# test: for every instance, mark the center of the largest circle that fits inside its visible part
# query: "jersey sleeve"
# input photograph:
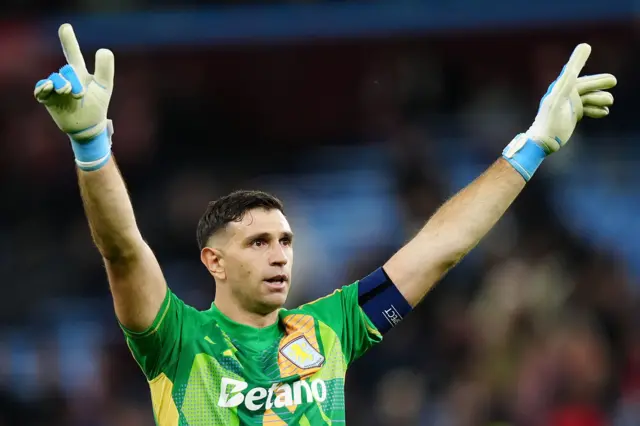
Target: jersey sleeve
(158, 347)
(342, 312)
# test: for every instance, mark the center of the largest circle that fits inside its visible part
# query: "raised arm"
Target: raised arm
(465, 219)
(135, 277)
(78, 103)
(453, 231)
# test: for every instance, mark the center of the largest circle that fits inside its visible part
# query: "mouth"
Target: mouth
(277, 282)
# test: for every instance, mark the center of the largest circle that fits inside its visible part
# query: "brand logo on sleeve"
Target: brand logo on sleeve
(392, 315)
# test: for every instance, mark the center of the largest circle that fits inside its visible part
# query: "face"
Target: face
(251, 260)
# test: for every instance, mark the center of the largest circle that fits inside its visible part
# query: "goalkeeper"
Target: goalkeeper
(247, 360)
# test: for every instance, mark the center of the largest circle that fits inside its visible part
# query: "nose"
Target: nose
(278, 256)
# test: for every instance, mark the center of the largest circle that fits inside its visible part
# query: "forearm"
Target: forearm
(458, 226)
(109, 212)
(454, 230)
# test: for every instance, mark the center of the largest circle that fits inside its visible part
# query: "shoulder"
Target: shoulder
(335, 299)
(190, 316)
(328, 309)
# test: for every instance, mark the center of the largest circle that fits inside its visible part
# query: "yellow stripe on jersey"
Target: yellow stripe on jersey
(272, 419)
(338, 291)
(164, 407)
(164, 314)
(153, 328)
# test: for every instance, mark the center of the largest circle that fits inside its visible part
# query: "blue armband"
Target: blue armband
(94, 153)
(524, 155)
(381, 300)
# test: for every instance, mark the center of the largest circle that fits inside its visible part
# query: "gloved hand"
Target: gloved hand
(567, 100)
(78, 101)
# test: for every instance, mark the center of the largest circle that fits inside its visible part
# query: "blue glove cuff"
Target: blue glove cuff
(524, 155)
(93, 153)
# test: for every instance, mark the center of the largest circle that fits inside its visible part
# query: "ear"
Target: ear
(214, 262)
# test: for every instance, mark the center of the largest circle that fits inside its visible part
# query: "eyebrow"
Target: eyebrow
(266, 236)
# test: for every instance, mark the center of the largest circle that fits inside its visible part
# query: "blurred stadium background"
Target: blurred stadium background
(363, 117)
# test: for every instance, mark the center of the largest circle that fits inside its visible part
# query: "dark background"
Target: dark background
(363, 117)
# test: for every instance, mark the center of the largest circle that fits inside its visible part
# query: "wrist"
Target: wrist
(524, 155)
(92, 154)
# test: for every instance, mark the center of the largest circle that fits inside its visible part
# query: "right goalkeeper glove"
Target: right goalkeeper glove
(78, 101)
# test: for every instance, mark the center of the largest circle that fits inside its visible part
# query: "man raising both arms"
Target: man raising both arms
(247, 360)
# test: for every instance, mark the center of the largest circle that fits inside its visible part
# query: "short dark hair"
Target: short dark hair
(231, 208)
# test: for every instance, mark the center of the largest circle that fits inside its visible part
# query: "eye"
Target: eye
(259, 242)
(286, 241)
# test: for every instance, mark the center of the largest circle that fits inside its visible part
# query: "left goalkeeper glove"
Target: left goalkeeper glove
(567, 100)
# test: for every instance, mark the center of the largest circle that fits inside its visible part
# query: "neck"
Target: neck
(234, 311)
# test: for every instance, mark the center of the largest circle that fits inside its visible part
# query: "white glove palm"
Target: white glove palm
(76, 100)
(568, 99)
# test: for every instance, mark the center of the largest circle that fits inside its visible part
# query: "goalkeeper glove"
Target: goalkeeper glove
(567, 100)
(78, 101)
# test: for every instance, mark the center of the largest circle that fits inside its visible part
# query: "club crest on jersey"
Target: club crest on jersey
(302, 354)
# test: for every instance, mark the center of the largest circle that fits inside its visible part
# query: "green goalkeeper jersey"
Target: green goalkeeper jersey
(206, 370)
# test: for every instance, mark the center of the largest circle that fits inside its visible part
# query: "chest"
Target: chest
(292, 355)
(295, 374)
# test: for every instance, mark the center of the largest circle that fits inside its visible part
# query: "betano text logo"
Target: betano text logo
(277, 396)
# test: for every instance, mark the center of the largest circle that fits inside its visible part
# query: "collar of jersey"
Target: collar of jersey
(246, 336)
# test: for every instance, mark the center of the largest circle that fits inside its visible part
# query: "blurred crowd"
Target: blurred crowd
(363, 140)
(44, 8)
